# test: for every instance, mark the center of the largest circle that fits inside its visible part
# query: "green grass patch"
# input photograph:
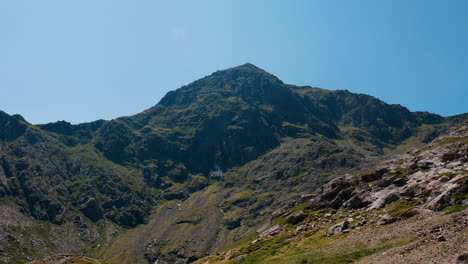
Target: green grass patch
(402, 206)
(403, 172)
(301, 207)
(454, 209)
(448, 174)
(345, 256)
(239, 197)
(451, 140)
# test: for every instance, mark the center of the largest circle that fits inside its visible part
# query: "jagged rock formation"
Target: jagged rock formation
(436, 173)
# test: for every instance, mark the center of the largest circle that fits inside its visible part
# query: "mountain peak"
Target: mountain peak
(247, 71)
(249, 67)
(246, 80)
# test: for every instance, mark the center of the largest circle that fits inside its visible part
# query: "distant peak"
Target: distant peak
(248, 65)
(249, 69)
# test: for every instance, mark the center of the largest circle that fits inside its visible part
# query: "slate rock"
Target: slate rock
(338, 228)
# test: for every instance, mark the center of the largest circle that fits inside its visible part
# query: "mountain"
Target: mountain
(387, 215)
(193, 175)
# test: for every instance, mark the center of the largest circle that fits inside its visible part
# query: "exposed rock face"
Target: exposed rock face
(91, 209)
(11, 127)
(437, 174)
(338, 228)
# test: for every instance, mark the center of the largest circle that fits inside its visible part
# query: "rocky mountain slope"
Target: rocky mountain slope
(204, 168)
(388, 215)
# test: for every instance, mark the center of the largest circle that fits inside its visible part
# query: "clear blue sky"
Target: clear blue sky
(85, 60)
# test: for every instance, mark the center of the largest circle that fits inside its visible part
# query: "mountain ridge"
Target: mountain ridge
(236, 144)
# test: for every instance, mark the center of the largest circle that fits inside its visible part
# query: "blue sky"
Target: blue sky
(85, 60)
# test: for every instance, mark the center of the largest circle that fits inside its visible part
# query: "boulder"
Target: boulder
(304, 227)
(337, 185)
(318, 203)
(336, 203)
(295, 218)
(387, 181)
(450, 156)
(385, 199)
(373, 176)
(240, 259)
(272, 231)
(338, 228)
(358, 201)
(278, 213)
(387, 219)
(439, 203)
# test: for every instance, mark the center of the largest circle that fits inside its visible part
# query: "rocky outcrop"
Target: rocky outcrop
(11, 127)
(437, 174)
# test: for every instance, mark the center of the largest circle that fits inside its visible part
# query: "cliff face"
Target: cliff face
(235, 145)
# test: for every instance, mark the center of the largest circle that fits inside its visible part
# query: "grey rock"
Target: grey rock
(337, 185)
(278, 213)
(240, 259)
(386, 219)
(338, 228)
(272, 231)
(439, 203)
(387, 197)
(296, 217)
